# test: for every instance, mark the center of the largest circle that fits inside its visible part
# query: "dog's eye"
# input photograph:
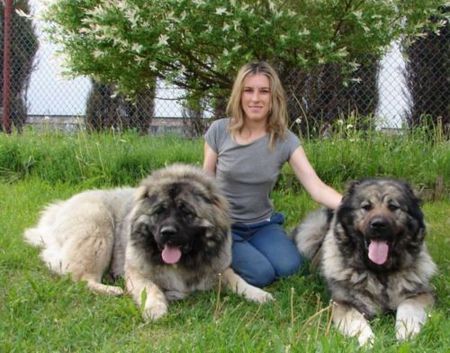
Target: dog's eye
(366, 206)
(185, 210)
(159, 210)
(392, 207)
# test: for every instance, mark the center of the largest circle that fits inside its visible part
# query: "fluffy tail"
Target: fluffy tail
(37, 236)
(34, 237)
(309, 234)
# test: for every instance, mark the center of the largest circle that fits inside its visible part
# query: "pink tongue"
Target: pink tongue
(171, 254)
(378, 251)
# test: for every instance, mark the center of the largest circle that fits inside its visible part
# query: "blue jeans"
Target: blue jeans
(262, 252)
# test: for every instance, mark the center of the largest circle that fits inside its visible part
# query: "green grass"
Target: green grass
(91, 159)
(42, 312)
(111, 159)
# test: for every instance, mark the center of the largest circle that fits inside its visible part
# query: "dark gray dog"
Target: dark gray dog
(372, 254)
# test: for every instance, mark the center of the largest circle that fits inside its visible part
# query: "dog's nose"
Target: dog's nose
(378, 223)
(168, 231)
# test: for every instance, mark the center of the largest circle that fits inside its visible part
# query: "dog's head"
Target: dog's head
(180, 217)
(381, 221)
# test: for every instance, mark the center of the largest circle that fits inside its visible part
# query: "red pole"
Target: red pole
(6, 66)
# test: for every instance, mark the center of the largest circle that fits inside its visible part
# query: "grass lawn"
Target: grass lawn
(42, 312)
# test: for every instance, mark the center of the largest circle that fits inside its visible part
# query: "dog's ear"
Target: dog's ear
(348, 193)
(140, 193)
(412, 193)
(143, 192)
(217, 199)
(414, 203)
(351, 185)
(349, 190)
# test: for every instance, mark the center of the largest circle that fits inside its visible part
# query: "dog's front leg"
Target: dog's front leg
(238, 285)
(351, 322)
(147, 295)
(411, 315)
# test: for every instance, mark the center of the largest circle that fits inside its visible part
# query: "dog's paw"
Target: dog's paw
(366, 338)
(105, 289)
(353, 324)
(258, 295)
(407, 328)
(155, 310)
(115, 291)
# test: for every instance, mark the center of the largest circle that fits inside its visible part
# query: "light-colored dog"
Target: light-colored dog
(168, 238)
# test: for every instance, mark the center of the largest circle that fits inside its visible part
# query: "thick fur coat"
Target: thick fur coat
(168, 237)
(372, 254)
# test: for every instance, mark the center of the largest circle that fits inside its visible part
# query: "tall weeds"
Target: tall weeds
(117, 159)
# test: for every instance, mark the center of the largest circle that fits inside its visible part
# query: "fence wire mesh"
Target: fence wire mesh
(408, 85)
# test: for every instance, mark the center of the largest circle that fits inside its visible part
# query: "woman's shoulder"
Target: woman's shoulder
(290, 137)
(220, 122)
(217, 132)
(219, 126)
(288, 144)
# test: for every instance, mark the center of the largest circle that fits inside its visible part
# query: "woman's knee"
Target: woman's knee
(288, 265)
(258, 274)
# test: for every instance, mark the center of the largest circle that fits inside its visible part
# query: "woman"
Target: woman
(246, 153)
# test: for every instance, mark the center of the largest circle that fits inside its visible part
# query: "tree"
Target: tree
(316, 98)
(24, 45)
(107, 110)
(427, 75)
(199, 44)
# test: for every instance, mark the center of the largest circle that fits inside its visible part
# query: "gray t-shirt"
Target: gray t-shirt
(247, 173)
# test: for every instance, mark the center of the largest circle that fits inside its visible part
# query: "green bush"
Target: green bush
(199, 44)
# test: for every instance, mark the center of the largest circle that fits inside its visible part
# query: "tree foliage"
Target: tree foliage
(107, 110)
(427, 75)
(24, 45)
(199, 44)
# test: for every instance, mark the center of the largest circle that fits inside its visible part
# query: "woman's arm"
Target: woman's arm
(319, 191)
(209, 160)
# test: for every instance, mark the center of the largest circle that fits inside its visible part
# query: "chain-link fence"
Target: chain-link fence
(405, 87)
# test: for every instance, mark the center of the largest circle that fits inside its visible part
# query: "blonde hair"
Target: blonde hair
(277, 120)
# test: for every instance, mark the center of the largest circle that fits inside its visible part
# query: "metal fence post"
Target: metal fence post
(6, 119)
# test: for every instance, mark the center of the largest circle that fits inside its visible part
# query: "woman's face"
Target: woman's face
(256, 97)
